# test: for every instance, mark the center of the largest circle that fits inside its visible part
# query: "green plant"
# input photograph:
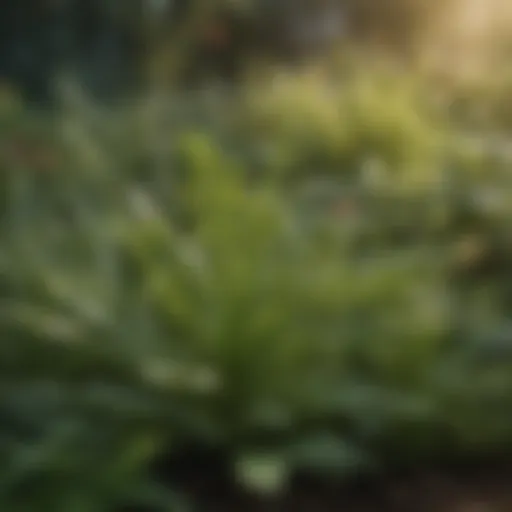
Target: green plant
(162, 295)
(306, 124)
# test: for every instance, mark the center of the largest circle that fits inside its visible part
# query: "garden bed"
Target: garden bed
(481, 488)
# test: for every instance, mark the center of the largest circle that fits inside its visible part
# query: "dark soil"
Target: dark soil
(482, 488)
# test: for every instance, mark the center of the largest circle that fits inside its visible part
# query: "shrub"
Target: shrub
(310, 126)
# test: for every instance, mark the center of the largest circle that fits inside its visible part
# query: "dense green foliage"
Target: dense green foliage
(299, 277)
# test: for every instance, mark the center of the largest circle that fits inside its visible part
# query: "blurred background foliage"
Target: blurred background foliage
(289, 245)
